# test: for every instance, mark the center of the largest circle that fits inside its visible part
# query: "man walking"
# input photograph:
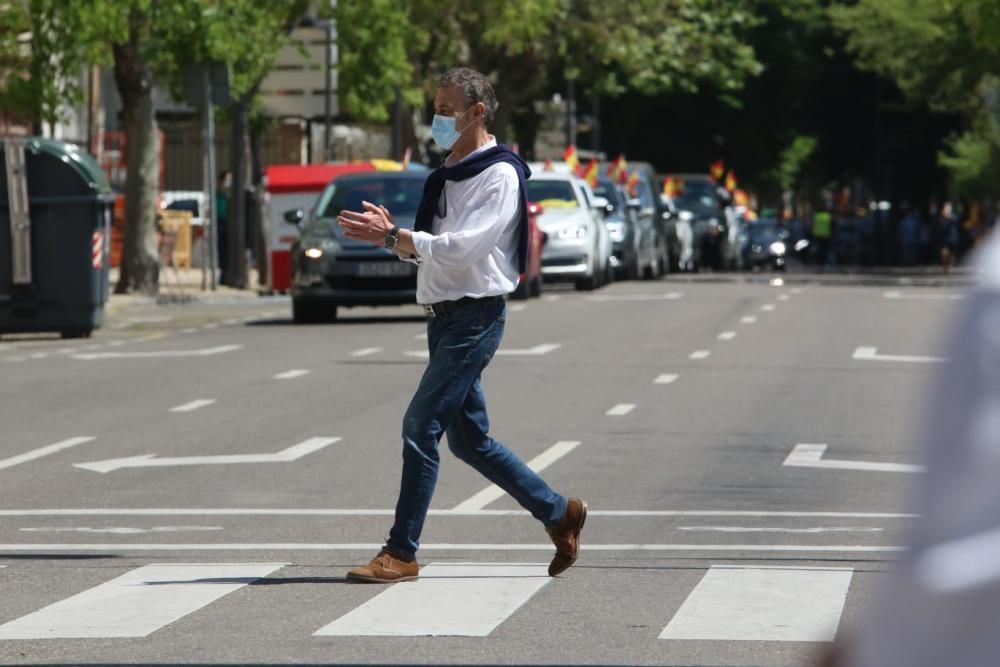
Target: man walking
(470, 243)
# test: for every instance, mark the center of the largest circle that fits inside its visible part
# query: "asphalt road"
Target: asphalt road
(191, 485)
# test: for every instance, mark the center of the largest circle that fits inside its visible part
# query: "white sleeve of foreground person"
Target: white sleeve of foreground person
(940, 607)
(479, 212)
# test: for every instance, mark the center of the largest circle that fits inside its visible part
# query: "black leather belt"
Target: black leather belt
(443, 308)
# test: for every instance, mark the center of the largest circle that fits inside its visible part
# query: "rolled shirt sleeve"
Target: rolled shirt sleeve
(489, 213)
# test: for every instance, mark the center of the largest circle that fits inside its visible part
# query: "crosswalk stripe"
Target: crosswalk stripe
(460, 599)
(763, 604)
(137, 603)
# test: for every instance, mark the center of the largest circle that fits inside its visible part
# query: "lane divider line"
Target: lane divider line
(666, 378)
(292, 374)
(44, 451)
(538, 464)
(727, 335)
(366, 351)
(749, 319)
(194, 405)
(620, 410)
(698, 355)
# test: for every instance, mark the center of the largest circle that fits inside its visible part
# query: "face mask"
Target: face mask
(443, 130)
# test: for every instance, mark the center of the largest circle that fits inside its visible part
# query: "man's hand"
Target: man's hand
(372, 226)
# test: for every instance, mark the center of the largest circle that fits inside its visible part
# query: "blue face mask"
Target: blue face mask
(443, 130)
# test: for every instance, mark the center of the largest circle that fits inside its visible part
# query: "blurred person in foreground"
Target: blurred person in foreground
(470, 245)
(940, 607)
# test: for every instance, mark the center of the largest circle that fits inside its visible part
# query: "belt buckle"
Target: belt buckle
(429, 311)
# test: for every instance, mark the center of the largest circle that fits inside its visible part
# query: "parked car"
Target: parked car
(330, 271)
(578, 248)
(766, 246)
(701, 222)
(633, 242)
(530, 284)
(654, 212)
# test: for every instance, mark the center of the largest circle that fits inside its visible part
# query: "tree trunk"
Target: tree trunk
(140, 266)
(257, 130)
(236, 275)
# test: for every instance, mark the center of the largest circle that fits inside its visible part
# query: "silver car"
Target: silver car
(578, 248)
(330, 271)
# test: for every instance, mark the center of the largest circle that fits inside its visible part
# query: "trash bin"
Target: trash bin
(55, 226)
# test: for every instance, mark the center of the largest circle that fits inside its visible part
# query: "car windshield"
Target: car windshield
(764, 232)
(400, 195)
(552, 193)
(696, 196)
(607, 190)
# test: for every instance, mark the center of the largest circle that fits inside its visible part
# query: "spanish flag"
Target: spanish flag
(590, 173)
(632, 183)
(569, 155)
(672, 187)
(618, 169)
(731, 183)
(741, 198)
(717, 169)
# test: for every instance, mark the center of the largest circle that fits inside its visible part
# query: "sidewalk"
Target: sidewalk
(183, 286)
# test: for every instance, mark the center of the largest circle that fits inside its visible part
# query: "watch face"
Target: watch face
(390, 242)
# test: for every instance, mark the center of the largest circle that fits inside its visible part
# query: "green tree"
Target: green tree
(943, 54)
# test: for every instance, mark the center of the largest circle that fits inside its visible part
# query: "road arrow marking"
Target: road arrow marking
(293, 453)
(43, 451)
(871, 354)
(811, 456)
(207, 352)
(537, 351)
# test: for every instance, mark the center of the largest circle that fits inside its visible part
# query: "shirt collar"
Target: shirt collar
(489, 144)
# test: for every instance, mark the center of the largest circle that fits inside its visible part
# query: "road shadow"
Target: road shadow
(56, 556)
(344, 322)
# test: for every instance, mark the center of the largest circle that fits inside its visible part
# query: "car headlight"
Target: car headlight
(575, 232)
(617, 231)
(313, 253)
(316, 248)
(686, 216)
(778, 248)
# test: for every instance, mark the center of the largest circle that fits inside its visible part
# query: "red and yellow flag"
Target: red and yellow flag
(618, 169)
(590, 174)
(741, 198)
(569, 155)
(731, 183)
(672, 186)
(717, 169)
(632, 183)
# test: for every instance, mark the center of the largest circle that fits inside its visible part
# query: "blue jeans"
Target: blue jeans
(450, 400)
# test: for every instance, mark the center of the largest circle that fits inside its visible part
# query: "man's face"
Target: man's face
(450, 101)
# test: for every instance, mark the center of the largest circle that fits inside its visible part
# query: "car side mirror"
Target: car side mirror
(667, 215)
(295, 216)
(601, 204)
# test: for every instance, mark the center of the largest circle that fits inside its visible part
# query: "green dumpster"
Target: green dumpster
(55, 233)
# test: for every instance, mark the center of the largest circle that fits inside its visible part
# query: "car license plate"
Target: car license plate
(382, 269)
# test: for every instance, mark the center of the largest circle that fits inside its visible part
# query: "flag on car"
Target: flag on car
(741, 198)
(569, 155)
(731, 183)
(618, 169)
(672, 186)
(717, 169)
(590, 174)
(632, 183)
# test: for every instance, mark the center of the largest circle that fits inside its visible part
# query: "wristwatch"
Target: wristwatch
(392, 238)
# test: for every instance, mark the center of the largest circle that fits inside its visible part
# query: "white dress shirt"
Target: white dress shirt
(473, 248)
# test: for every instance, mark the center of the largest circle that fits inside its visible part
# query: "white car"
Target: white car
(578, 247)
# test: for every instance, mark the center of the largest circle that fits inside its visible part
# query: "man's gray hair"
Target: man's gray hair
(475, 87)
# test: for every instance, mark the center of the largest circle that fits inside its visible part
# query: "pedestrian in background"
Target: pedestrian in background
(222, 220)
(470, 245)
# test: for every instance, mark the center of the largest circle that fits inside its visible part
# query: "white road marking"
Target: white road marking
(916, 296)
(783, 297)
(66, 350)
(122, 530)
(537, 351)
(44, 451)
(517, 308)
(669, 296)
(699, 354)
(811, 456)
(449, 599)
(231, 321)
(293, 453)
(744, 529)
(116, 343)
(299, 512)
(727, 335)
(472, 546)
(620, 410)
(16, 359)
(292, 374)
(538, 464)
(189, 330)
(152, 319)
(366, 351)
(38, 355)
(749, 319)
(137, 603)
(422, 336)
(207, 352)
(871, 354)
(194, 405)
(211, 325)
(666, 378)
(763, 604)
(768, 307)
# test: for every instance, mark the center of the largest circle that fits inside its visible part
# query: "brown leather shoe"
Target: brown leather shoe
(566, 536)
(385, 569)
